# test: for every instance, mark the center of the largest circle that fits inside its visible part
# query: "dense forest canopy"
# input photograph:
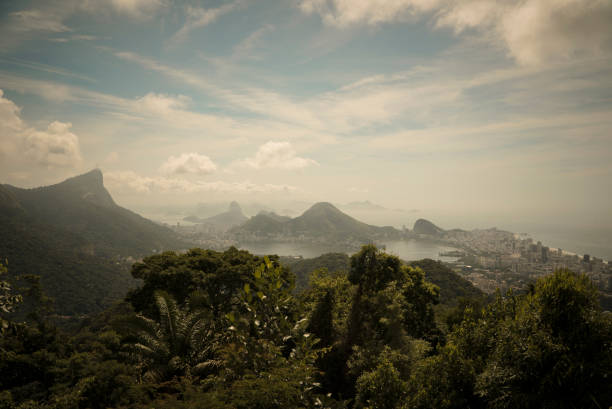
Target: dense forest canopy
(211, 329)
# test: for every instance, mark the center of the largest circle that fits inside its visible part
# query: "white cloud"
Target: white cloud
(11, 126)
(533, 31)
(129, 180)
(9, 115)
(547, 30)
(277, 155)
(55, 146)
(193, 163)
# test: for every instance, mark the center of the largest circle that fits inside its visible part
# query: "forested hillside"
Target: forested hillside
(452, 286)
(77, 239)
(226, 330)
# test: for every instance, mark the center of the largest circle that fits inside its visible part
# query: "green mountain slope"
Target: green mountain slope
(84, 207)
(76, 237)
(452, 285)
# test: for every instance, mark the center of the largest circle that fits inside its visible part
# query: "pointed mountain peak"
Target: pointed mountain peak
(88, 186)
(323, 206)
(322, 209)
(234, 207)
(422, 226)
(92, 178)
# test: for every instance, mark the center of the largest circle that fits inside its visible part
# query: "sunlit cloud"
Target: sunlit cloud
(55, 146)
(277, 155)
(188, 163)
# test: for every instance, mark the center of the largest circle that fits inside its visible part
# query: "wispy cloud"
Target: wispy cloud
(129, 180)
(74, 37)
(38, 20)
(533, 31)
(198, 17)
(45, 68)
(515, 132)
(254, 100)
(246, 47)
(164, 110)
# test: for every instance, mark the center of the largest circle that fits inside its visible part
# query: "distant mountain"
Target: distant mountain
(223, 221)
(76, 237)
(275, 216)
(323, 221)
(423, 226)
(325, 218)
(262, 225)
(452, 285)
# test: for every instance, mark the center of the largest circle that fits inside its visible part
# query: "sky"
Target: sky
(473, 113)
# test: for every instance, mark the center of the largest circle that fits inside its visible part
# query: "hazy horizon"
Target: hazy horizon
(469, 114)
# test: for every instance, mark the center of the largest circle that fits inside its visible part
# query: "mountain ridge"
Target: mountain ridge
(321, 220)
(77, 239)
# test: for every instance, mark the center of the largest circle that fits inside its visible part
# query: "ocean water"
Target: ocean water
(595, 242)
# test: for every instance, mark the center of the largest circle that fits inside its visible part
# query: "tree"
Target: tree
(444, 381)
(8, 300)
(392, 300)
(182, 343)
(391, 307)
(555, 351)
(380, 388)
(218, 277)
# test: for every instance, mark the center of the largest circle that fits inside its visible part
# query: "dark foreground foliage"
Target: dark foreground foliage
(227, 330)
